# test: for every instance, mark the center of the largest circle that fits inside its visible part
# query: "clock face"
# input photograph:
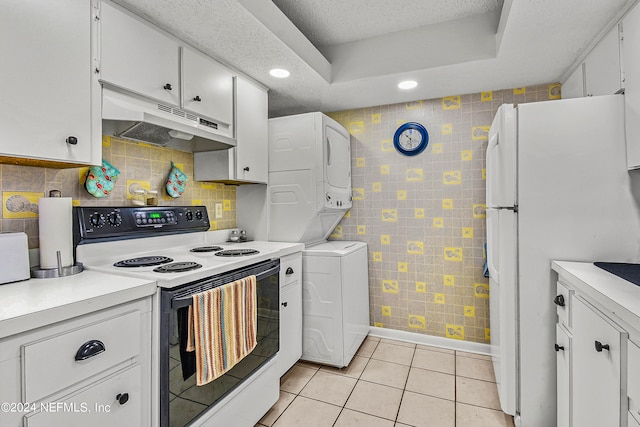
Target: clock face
(410, 139)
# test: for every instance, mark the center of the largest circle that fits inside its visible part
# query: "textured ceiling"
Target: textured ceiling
(537, 42)
(332, 22)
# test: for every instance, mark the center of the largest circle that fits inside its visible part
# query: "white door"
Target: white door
(598, 345)
(136, 57)
(502, 262)
(337, 158)
(207, 87)
(501, 159)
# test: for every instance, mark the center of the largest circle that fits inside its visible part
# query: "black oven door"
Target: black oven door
(181, 400)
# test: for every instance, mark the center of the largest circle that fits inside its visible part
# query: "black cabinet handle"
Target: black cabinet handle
(559, 300)
(197, 98)
(122, 398)
(600, 346)
(559, 347)
(167, 86)
(289, 271)
(90, 349)
(72, 140)
(284, 304)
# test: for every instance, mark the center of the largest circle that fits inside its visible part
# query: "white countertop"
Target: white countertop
(37, 302)
(617, 295)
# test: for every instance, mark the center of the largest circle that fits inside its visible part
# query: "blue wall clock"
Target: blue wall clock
(411, 138)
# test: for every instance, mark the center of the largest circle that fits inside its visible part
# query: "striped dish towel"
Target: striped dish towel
(223, 327)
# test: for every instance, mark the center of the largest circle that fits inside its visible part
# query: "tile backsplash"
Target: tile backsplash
(140, 166)
(423, 217)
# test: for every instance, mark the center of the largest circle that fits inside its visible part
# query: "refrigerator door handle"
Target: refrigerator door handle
(493, 166)
(493, 248)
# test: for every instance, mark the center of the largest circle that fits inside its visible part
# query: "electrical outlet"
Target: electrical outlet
(218, 210)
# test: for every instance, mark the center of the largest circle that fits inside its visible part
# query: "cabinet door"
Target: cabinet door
(290, 326)
(135, 56)
(598, 346)
(573, 87)
(46, 80)
(563, 367)
(602, 66)
(114, 401)
(630, 48)
(207, 87)
(252, 132)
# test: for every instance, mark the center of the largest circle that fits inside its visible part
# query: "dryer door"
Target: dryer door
(337, 159)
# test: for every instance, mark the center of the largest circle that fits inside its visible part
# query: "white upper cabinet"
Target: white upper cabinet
(136, 57)
(207, 86)
(252, 132)
(630, 49)
(602, 66)
(49, 93)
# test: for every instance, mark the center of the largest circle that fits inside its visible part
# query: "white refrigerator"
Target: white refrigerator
(557, 188)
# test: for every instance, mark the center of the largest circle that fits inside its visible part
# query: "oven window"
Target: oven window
(186, 401)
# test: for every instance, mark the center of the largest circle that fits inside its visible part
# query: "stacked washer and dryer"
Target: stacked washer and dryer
(309, 192)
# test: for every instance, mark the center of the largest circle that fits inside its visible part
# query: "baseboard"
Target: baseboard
(451, 344)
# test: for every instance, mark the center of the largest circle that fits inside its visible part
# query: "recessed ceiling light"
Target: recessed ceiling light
(279, 73)
(407, 84)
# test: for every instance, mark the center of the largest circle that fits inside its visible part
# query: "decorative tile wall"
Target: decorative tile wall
(423, 217)
(140, 165)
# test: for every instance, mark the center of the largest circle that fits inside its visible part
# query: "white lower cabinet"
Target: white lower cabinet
(563, 366)
(599, 346)
(114, 401)
(598, 357)
(93, 370)
(290, 312)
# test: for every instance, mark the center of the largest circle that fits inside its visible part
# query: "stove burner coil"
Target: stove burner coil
(144, 261)
(177, 267)
(206, 249)
(237, 252)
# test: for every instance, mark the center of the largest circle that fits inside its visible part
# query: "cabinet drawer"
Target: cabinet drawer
(633, 380)
(49, 365)
(290, 269)
(97, 405)
(562, 301)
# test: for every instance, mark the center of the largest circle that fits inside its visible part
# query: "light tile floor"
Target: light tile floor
(391, 383)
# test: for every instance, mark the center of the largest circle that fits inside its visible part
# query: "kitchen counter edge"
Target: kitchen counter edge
(34, 303)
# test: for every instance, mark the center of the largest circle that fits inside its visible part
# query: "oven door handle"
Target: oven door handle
(187, 300)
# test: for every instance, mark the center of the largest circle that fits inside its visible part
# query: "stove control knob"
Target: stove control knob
(189, 216)
(97, 220)
(115, 219)
(199, 215)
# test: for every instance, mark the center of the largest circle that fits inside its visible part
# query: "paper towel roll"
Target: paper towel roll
(55, 231)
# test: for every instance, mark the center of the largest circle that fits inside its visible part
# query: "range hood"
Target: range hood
(129, 116)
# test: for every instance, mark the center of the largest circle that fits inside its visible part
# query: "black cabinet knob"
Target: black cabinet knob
(246, 169)
(559, 347)
(197, 98)
(72, 140)
(559, 300)
(167, 86)
(284, 304)
(90, 349)
(122, 398)
(289, 271)
(600, 346)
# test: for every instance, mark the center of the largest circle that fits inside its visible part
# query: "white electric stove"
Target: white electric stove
(171, 245)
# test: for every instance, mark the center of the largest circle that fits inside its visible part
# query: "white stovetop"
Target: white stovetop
(102, 256)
